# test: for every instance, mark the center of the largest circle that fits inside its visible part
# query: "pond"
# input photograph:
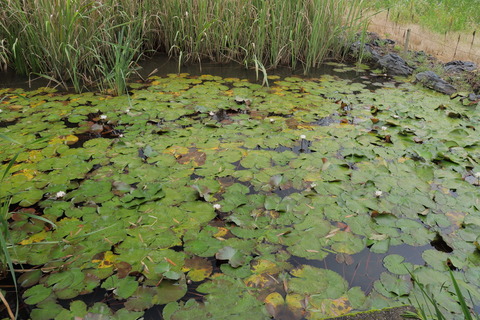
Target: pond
(213, 197)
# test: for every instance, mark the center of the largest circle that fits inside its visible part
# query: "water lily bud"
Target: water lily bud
(272, 120)
(103, 116)
(395, 116)
(477, 175)
(60, 194)
(303, 136)
(384, 128)
(1, 110)
(217, 206)
(127, 110)
(378, 193)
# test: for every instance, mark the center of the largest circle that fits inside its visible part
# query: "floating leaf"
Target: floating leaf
(321, 282)
(105, 259)
(124, 288)
(36, 294)
(35, 238)
(394, 263)
(330, 307)
(235, 258)
(198, 268)
(392, 285)
(290, 308)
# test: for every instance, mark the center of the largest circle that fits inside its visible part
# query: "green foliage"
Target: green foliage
(6, 261)
(431, 310)
(438, 15)
(96, 44)
(181, 187)
(76, 42)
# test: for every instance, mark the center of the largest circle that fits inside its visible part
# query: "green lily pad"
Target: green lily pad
(322, 283)
(235, 258)
(396, 265)
(124, 288)
(36, 294)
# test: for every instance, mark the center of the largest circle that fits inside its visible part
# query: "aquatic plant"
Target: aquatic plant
(71, 42)
(3, 55)
(115, 65)
(191, 187)
(429, 307)
(95, 44)
(6, 261)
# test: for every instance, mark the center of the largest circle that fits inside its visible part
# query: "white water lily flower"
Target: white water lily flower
(477, 175)
(378, 193)
(127, 110)
(60, 194)
(384, 128)
(272, 120)
(103, 116)
(217, 206)
(1, 110)
(395, 116)
(303, 136)
(211, 113)
(313, 185)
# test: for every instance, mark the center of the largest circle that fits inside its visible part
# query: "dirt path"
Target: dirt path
(452, 46)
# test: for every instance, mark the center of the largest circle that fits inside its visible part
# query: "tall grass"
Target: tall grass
(71, 42)
(84, 43)
(283, 32)
(3, 55)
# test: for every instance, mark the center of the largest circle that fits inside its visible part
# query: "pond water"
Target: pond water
(208, 195)
(162, 65)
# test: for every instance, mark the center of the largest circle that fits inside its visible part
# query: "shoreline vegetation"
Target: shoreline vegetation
(440, 16)
(96, 44)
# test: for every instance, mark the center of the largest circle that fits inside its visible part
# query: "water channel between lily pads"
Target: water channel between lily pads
(209, 196)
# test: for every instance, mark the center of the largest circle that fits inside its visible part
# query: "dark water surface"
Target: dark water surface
(161, 65)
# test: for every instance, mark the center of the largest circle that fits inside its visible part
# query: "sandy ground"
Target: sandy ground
(452, 46)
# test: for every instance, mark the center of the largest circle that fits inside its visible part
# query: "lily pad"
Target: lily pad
(37, 294)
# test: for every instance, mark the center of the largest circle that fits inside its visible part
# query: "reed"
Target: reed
(3, 55)
(83, 43)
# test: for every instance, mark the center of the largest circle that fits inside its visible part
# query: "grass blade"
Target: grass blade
(461, 299)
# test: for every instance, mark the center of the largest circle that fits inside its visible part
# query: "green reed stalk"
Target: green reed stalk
(3, 55)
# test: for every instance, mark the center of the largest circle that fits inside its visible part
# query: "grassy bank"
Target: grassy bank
(85, 43)
(441, 16)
